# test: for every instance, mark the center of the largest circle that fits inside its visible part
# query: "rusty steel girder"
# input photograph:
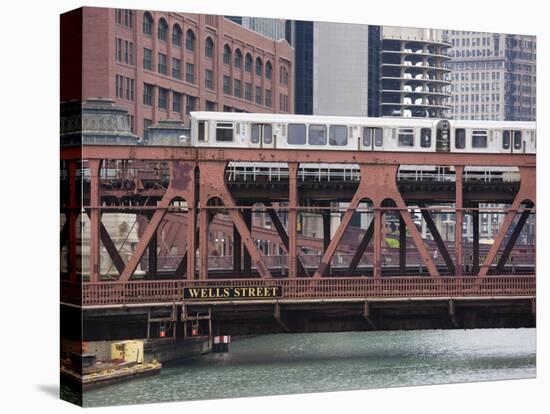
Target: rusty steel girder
(197, 177)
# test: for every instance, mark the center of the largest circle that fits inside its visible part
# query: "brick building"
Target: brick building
(163, 65)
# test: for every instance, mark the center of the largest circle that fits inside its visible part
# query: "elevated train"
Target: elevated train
(315, 132)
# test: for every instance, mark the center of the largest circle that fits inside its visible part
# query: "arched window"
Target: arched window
(238, 60)
(147, 24)
(268, 70)
(190, 41)
(259, 67)
(162, 29)
(227, 55)
(209, 47)
(248, 63)
(176, 35)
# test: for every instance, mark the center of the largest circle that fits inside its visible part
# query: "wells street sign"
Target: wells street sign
(246, 292)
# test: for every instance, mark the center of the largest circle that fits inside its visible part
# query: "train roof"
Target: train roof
(382, 121)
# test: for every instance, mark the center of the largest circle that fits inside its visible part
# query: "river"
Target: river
(321, 362)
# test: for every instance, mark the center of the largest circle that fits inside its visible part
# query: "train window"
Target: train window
(517, 140)
(425, 137)
(367, 137)
(378, 137)
(338, 135)
(406, 137)
(268, 133)
(479, 138)
(460, 138)
(224, 131)
(506, 140)
(317, 135)
(296, 134)
(202, 136)
(255, 135)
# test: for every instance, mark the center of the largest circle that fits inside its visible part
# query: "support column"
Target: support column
(247, 262)
(458, 221)
(72, 217)
(152, 249)
(292, 219)
(237, 251)
(377, 263)
(475, 244)
(326, 233)
(402, 247)
(191, 237)
(203, 241)
(95, 220)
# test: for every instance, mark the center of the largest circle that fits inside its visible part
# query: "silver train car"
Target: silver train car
(317, 132)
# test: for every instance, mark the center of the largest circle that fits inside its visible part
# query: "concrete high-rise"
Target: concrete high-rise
(493, 76)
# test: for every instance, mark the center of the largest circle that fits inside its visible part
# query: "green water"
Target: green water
(322, 362)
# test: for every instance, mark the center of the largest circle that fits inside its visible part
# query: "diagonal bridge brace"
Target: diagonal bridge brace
(378, 183)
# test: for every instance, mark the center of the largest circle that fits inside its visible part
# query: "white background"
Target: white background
(29, 227)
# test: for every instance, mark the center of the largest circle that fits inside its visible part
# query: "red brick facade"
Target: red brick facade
(113, 52)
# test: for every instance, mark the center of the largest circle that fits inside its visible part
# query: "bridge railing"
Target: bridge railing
(170, 291)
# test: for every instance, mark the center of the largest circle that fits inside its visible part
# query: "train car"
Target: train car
(316, 132)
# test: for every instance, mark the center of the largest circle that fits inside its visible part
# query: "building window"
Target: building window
(227, 85)
(163, 98)
(268, 102)
(176, 102)
(259, 95)
(176, 68)
(226, 55)
(148, 94)
(129, 53)
(147, 24)
(190, 41)
(283, 76)
(268, 70)
(248, 91)
(190, 72)
(147, 59)
(176, 35)
(130, 89)
(227, 108)
(146, 124)
(124, 51)
(238, 60)
(191, 104)
(162, 68)
(237, 88)
(131, 123)
(162, 30)
(209, 48)
(248, 63)
(119, 86)
(118, 49)
(210, 106)
(208, 79)
(259, 67)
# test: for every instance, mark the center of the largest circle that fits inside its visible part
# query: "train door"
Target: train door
(262, 136)
(513, 141)
(372, 139)
(443, 137)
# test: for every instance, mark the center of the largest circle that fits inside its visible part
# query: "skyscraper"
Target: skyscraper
(493, 76)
